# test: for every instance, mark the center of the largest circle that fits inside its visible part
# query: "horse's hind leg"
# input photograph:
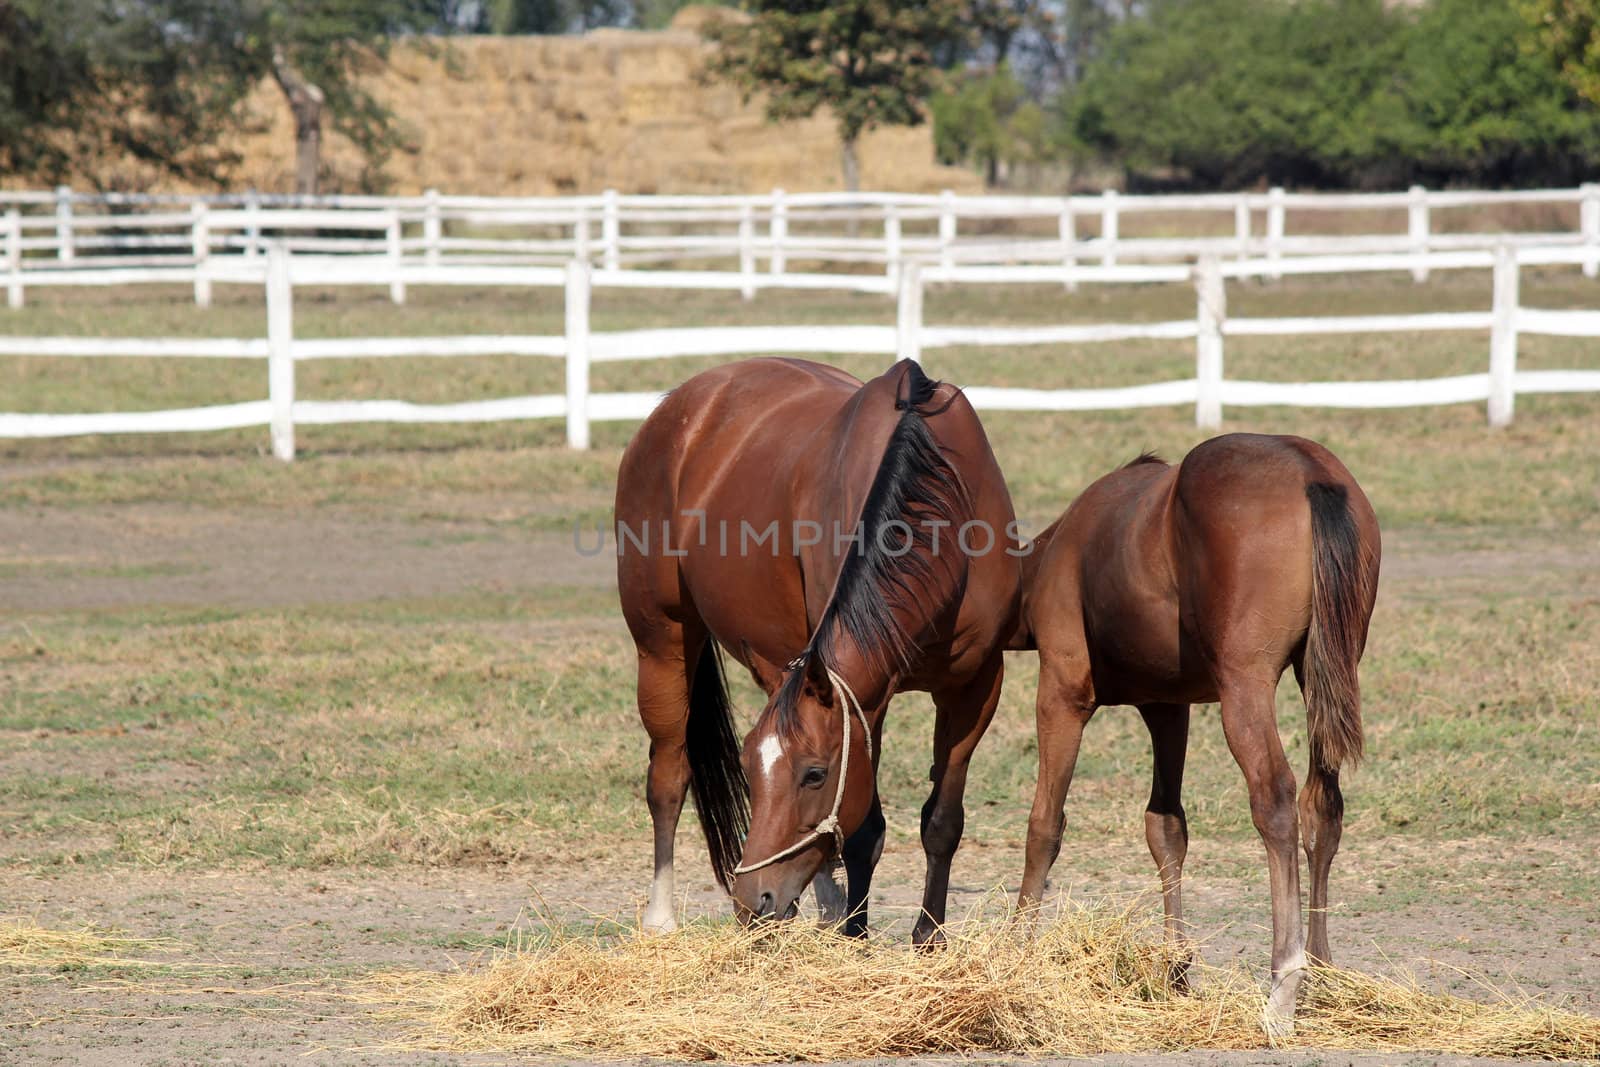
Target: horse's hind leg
(1166, 829)
(1065, 706)
(664, 707)
(1322, 823)
(962, 716)
(1250, 723)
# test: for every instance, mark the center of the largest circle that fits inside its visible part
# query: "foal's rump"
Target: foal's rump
(1278, 553)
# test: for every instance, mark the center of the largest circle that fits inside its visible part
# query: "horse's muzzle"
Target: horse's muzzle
(764, 909)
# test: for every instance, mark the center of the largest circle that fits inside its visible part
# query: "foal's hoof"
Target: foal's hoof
(1278, 1026)
(1178, 976)
(927, 938)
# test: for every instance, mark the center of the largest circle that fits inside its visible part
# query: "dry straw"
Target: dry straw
(25, 945)
(1083, 981)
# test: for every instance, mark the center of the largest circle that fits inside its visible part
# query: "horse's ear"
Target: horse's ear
(817, 679)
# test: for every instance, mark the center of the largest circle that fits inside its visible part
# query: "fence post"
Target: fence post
(610, 230)
(891, 244)
(432, 229)
(1589, 224)
(1211, 314)
(14, 258)
(1417, 229)
(778, 231)
(1109, 223)
(1275, 225)
(1067, 232)
(64, 249)
(280, 350)
(200, 243)
(578, 353)
(396, 252)
(947, 228)
(580, 233)
(252, 226)
(908, 314)
(1503, 337)
(1241, 225)
(747, 250)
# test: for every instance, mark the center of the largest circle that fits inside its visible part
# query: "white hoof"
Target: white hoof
(1277, 1025)
(659, 924)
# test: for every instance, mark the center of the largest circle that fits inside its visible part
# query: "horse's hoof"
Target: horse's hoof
(927, 939)
(664, 924)
(1277, 1025)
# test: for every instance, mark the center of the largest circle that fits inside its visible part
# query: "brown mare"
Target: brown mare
(1164, 586)
(830, 626)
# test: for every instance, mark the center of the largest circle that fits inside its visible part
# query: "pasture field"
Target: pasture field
(288, 725)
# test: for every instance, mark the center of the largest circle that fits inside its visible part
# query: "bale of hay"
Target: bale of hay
(629, 109)
(1083, 982)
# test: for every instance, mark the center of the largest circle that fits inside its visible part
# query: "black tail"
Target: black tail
(720, 793)
(1340, 593)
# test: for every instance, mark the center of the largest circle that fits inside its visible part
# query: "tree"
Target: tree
(317, 52)
(97, 79)
(871, 62)
(165, 82)
(1229, 93)
(988, 120)
(1568, 31)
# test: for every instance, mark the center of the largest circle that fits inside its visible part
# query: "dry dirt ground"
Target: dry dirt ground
(260, 965)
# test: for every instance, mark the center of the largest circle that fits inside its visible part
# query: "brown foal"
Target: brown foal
(1163, 586)
(843, 542)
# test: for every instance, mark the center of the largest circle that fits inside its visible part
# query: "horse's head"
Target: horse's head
(810, 768)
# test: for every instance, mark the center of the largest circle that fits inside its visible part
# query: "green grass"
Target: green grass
(490, 726)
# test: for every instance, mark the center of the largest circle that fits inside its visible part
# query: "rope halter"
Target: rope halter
(847, 704)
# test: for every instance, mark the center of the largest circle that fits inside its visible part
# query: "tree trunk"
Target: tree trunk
(305, 103)
(852, 181)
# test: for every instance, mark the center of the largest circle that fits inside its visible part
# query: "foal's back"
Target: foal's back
(1166, 574)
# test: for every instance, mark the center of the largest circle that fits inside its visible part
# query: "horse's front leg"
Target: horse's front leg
(845, 906)
(962, 715)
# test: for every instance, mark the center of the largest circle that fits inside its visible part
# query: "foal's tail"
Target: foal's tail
(1341, 590)
(721, 795)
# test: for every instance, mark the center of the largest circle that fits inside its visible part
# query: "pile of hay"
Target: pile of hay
(1087, 981)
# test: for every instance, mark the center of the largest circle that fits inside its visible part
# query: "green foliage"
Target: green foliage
(551, 16)
(82, 77)
(870, 61)
(1568, 31)
(330, 44)
(1330, 92)
(988, 120)
(163, 82)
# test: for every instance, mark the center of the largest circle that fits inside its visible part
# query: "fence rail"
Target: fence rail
(280, 271)
(42, 232)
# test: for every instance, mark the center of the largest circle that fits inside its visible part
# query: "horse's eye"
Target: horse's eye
(814, 777)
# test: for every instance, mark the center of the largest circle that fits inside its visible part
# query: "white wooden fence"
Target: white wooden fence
(41, 232)
(1210, 391)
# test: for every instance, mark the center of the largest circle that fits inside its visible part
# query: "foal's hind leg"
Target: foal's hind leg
(1166, 829)
(1065, 706)
(962, 716)
(664, 707)
(1322, 823)
(1250, 723)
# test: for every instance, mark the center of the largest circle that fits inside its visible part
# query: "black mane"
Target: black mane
(914, 484)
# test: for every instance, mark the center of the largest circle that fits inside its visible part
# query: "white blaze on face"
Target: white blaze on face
(771, 749)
